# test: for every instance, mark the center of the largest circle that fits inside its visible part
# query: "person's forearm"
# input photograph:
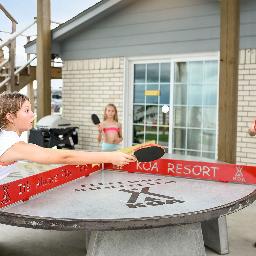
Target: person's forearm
(82, 157)
(22, 151)
(99, 137)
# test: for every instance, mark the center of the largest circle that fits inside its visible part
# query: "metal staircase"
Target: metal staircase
(14, 78)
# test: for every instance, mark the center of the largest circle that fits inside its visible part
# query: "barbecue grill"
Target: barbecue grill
(54, 130)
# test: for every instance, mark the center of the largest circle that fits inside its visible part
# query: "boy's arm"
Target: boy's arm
(34, 153)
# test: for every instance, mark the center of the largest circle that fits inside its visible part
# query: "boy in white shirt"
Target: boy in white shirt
(16, 117)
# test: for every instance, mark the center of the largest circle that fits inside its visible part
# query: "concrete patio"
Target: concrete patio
(15, 241)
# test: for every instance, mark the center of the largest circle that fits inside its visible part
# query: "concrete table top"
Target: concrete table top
(113, 200)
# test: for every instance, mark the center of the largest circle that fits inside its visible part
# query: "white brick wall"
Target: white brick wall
(246, 145)
(89, 85)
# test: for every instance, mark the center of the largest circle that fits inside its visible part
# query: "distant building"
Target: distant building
(141, 55)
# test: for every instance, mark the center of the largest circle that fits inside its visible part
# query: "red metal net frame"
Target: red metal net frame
(25, 188)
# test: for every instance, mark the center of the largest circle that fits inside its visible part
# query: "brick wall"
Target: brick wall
(88, 86)
(246, 145)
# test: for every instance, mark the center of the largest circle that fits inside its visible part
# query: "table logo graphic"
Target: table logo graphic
(139, 190)
(150, 199)
(239, 177)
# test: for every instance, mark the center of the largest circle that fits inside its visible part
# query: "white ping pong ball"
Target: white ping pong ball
(165, 109)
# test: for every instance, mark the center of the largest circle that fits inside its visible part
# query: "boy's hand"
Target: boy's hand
(120, 159)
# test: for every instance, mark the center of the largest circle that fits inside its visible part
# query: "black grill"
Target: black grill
(54, 131)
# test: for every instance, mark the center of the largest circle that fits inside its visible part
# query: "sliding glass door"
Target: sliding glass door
(189, 90)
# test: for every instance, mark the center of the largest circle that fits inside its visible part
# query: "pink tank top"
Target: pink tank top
(111, 129)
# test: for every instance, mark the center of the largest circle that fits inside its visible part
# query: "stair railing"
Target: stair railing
(16, 34)
(17, 71)
(8, 43)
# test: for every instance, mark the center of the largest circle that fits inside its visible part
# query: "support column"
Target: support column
(30, 85)
(43, 72)
(228, 88)
(215, 231)
(12, 54)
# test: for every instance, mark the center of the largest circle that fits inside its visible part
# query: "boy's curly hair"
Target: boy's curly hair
(10, 102)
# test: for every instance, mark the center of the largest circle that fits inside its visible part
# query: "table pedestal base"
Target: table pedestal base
(215, 235)
(171, 240)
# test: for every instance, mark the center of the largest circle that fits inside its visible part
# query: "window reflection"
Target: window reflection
(211, 72)
(180, 94)
(179, 152)
(152, 99)
(163, 117)
(179, 116)
(209, 140)
(210, 95)
(163, 136)
(164, 94)
(138, 134)
(179, 138)
(194, 117)
(194, 139)
(165, 73)
(139, 93)
(151, 115)
(196, 74)
(193, 153)
(153, 73)
(138, 114)
(180, 72)
(209, 117)
(195, 95)
(151, 133)
(139, 73)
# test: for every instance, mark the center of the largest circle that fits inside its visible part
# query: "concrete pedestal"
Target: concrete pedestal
(173, 240)
(216, 235)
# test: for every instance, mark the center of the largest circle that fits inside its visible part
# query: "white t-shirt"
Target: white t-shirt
(7, 139)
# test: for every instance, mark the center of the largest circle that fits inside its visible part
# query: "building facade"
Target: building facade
(143, 55)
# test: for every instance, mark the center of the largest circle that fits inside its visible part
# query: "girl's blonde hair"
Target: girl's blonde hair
(10, 102)
(115, 116)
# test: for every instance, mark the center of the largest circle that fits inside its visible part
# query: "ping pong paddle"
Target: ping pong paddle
(95, 119)
(145, 152)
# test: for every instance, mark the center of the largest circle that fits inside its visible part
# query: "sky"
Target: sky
(25, 11)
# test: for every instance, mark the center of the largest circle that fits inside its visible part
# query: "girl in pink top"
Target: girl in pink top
(110, 130)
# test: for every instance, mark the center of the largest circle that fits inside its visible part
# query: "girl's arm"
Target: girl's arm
(34, 153)
(99, 137)
(120, 133)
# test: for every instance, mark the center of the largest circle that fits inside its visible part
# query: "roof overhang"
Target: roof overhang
(83, 19)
